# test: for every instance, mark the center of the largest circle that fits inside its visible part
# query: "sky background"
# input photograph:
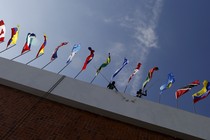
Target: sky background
(171, 34)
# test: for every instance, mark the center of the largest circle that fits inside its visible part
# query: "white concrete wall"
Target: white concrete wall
(26, 78)
(102, 101)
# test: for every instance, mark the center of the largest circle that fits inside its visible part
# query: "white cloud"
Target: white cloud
(144, 24)
(117, 49)
(146, 37)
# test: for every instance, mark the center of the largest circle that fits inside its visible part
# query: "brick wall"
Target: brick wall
(27, 117)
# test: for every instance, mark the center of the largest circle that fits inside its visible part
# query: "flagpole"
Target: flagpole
(19, 55)
(33, 59)
(47, 64)
(177, 103)
(6, 49)
(64, 67)
(125, 88)
(194, 108)
(78, 74)
(159, 97)
(104, 77)
(93, 79)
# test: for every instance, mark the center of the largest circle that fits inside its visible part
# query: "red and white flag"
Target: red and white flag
(2, 31)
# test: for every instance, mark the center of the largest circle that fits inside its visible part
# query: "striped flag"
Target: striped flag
(74, 50)
(54, 55)
(14, 36)
(89, 58)
(2, 31)
(186, 88)
(203, 93)
(168, 84)
(41, 50)
(149, 77)
(108, 60)
(135, 71)
(118, 70)
(29, 39)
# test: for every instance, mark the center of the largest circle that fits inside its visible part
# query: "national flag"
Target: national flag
(169, 83)
(29, 39)
(186, 88)
(41, 50)
(74, 50)
(135, 71)
(118, 70)
(89, 58)
(14, 36)
(2, 31)
(203, 93)
(149, 77)
(54, 55)
(108, 60)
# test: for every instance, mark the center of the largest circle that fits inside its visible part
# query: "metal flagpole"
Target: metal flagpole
(6, 49)
(176, 103)
(19, 55)
(159, 97)
(125, 88)
(102, 75)
(33, 59)
(77, 74)
(64, 67)
(47, 64)
(194, 108)
(93, 79)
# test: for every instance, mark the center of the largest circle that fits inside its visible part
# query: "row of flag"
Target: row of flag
(204, 92)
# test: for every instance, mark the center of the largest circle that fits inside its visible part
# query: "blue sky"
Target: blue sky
(173, 35)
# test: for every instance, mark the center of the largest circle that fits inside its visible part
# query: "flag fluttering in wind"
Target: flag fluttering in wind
(74, 50)
(2, 31)
(118, 70)
(29, 39)
(135, 71)
(186, 88)
(54, 55)
(149, 77)
(89, 58)
(108, 60)
(169, 83)
(41, 50)
(14, 36)
(203, 93)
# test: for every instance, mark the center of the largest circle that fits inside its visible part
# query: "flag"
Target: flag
(74, 50)
(54, 55)
(186, 88)
(89, 58)
(118, 70)
(203, 93)
(149, 77)
(29, 39)
(169, 83)
(108, 60)
(41, 50)
(135, 71)
(2, 31)
(14, 36)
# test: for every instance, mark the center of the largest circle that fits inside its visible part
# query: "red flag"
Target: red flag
(89, 58)
(135, 71)
(54, 55)
(2, 31)
(186, 88)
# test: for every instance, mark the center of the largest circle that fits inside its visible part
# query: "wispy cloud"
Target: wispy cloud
(146, 37)
(143, 23)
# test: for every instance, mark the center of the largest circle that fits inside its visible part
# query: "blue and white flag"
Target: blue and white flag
(74, 50)
(118, 70)
(168, 84)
